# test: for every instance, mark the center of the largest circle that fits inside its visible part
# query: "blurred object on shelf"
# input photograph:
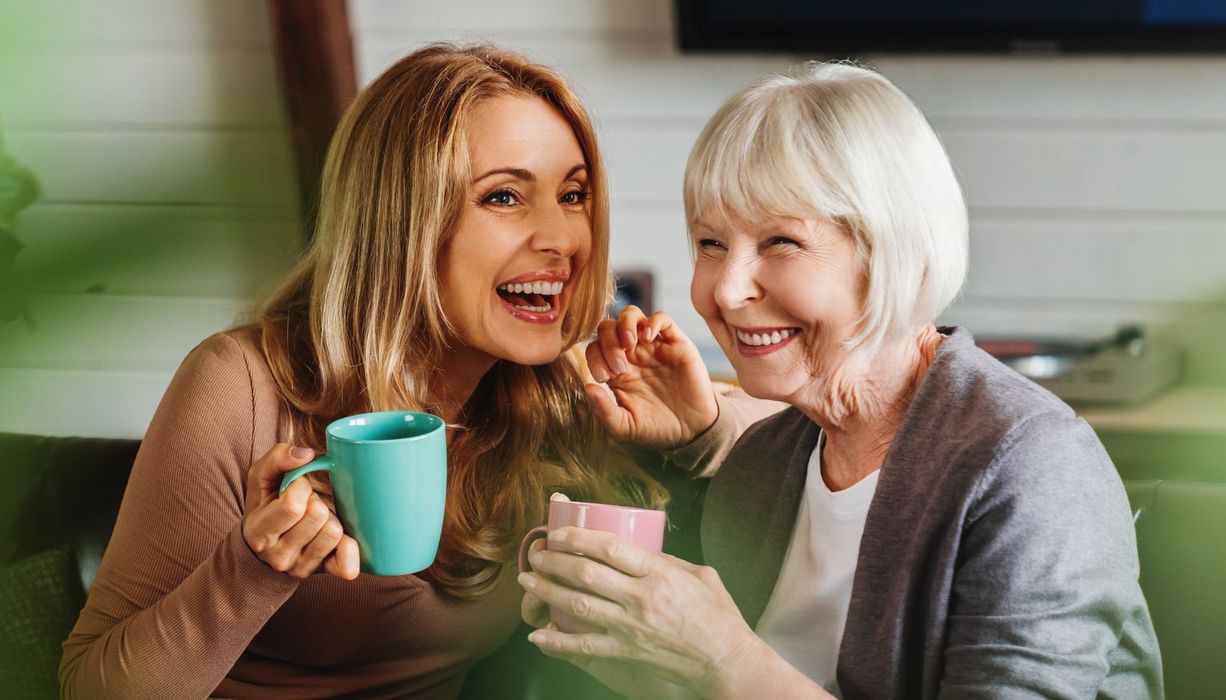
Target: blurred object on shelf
(1124, 368)
(632, 287)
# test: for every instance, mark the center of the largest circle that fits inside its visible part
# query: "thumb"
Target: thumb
(604, 406)
(266, 474)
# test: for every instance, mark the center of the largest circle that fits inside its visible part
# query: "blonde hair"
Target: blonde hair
(841, 142)
(359, 325)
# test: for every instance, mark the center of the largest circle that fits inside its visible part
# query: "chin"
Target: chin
(767, 387)
(538, 356)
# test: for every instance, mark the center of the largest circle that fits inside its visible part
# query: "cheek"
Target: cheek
(702, 295)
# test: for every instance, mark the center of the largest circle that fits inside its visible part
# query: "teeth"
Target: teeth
(759, 339)
(542, 288)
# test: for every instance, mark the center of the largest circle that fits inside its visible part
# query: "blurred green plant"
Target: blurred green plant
(18, 190)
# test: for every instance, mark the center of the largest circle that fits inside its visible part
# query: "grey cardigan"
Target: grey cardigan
(998, 558)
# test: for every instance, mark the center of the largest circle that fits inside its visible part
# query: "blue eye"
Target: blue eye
(501, 198)
(709, 244)
(782, 240)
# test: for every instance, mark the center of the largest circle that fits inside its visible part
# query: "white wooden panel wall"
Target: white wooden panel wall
(157, 131)
(1097, 185)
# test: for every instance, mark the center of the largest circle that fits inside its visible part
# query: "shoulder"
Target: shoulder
(998, 430)
(230, 360)
(971, 409)
(225, 379)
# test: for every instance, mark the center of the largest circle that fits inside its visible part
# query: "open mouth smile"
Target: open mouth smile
(536, 297)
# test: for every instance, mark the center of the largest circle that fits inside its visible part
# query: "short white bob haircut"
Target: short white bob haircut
(836, 141)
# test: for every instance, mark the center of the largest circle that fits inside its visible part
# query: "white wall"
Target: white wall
(1097, 186)
(157, 131)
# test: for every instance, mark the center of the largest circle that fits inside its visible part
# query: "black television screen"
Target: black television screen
(839, 27)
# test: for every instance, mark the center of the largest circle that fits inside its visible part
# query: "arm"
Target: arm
(179, 594)
(1047, 570)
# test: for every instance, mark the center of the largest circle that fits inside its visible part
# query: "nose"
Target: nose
(736, 282)
(557, 233)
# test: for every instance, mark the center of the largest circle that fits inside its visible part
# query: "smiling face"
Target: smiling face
(780, 297)
(523, 238)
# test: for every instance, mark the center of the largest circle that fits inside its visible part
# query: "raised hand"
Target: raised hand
(295, 532)
(649, 384)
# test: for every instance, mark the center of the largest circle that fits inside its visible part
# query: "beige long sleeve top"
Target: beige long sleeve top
(183, 608)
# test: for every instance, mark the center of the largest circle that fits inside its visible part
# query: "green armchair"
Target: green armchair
(1181, 539)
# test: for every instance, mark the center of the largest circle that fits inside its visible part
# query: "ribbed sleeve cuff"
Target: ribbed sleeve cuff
(702, 455)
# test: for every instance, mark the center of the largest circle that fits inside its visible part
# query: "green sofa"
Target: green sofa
(61, 495)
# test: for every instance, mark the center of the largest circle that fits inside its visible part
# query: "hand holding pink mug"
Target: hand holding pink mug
(642, 526)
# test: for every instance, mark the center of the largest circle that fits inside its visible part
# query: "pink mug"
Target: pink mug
(641, 526)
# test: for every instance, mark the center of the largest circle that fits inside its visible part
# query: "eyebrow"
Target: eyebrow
(525, 174)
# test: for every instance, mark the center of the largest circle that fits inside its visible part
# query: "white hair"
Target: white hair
(836, 141)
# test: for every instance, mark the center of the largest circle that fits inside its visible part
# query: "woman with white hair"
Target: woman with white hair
(922, 521)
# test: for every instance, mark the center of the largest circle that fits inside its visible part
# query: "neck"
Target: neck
(861, 405)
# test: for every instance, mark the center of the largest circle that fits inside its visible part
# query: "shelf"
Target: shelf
(1189, 408)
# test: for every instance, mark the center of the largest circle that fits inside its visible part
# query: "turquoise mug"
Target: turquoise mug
(389, 484)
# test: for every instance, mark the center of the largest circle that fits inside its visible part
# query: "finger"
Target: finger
(597, 363)
(623, 555)
(583, 574)
(578, 604)
(593, 645)
(264, 526)
(534, 611)
(318, 549)
(666, 328)
(285, 553)
(628, 323)
(655, 325)
(344, 561)
(264, 477)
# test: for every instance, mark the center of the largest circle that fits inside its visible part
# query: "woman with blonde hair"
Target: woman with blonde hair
(922, 521)
(461, 249)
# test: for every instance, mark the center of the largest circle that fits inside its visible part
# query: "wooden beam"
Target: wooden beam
(315, 58)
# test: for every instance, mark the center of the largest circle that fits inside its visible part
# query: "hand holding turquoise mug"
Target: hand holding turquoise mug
(389, 483)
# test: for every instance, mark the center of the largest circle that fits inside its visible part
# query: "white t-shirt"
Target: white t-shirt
(807, 611)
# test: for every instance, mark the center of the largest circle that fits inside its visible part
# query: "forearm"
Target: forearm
(758, 671)
(184, 644)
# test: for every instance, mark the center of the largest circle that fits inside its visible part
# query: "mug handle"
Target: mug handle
(533, 535)
(321, 463)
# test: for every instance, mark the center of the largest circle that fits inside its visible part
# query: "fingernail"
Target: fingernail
(600, 375)
(528, 581)
(536, 637)
(618, 365)
(556, 536)
(627, 339)
(301, 452)
(649, 334)
(534, 558)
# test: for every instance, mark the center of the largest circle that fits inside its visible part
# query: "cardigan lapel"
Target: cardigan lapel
(751, 508)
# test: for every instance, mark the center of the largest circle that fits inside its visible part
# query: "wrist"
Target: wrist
(733, 674)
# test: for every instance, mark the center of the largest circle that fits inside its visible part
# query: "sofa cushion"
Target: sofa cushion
(40, 597)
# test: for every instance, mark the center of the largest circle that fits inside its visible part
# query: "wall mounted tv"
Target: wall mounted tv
(840, 27)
